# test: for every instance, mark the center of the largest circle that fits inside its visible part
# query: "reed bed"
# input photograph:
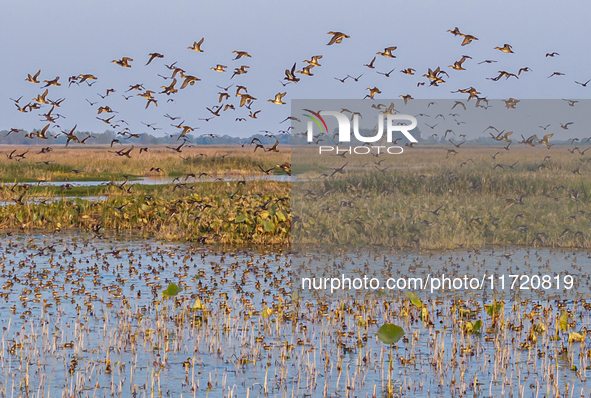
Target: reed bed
(398, 205)
(97, 163)
(389, 201)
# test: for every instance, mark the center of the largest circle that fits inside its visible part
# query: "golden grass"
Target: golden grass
(368, 207)
(99, 163)
(364, 206)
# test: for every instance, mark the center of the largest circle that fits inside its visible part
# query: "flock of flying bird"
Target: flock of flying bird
(108, 115)
(40, 288)
(179, 78)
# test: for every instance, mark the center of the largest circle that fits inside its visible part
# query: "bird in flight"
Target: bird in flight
(468, 39)
(455, 32)
(189, 80)
(370, 65)
(458, 64)
(388, 52)
(525, 69)
(314, 60)
(512, 201)
(240, 71)
(178, 148)
(54, 82)
(506, 48)
(306, 70)
(33, 79)
(556, 74)
(570, 102)
(340, 170)
(290, 74)
(153, 56)
(197, 46)
(529, 141)
(278, 99)
(123, 152)
(124, 62)
(219, 68)
(544, 140)
(240, 54)
(386, 74)
(273, 148)
(372, 92)
(337, 37)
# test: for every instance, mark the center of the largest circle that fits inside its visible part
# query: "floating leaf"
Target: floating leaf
(198, 305)
(269, 226)
(494, 309)
(414, 299)
(280, 216)
(424, 314)
(473, 326)
(390, 334)
(240, 218)
(540, 328)
(563, 321)
(267, 312)
(576, 337)
(465, 312)
(172, 290)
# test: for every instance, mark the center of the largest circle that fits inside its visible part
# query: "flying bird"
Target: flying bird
(153, 56)
(506, 48)
(278, 99)
(197, 46)
(124, 62)
(337, 37)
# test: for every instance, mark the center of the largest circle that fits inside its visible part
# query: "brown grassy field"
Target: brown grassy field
(101, 164)
(426, 197)
(395, 203)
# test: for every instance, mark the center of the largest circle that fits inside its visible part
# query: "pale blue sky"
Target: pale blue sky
(64, 38)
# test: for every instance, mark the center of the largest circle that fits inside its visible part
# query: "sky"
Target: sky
(65, 38)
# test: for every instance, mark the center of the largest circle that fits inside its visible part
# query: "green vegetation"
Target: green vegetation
(525, 196)
(425, 200)
(227, 213)
(98, 164)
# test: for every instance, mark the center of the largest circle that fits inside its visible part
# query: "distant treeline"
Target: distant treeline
(300, 139)
(144, 139)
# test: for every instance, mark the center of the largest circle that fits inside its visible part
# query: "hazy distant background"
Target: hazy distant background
(64, 38)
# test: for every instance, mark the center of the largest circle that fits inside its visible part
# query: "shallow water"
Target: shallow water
(103, 294)
(145, 181)
(39, 200)
(171, 180)
(484, 273)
